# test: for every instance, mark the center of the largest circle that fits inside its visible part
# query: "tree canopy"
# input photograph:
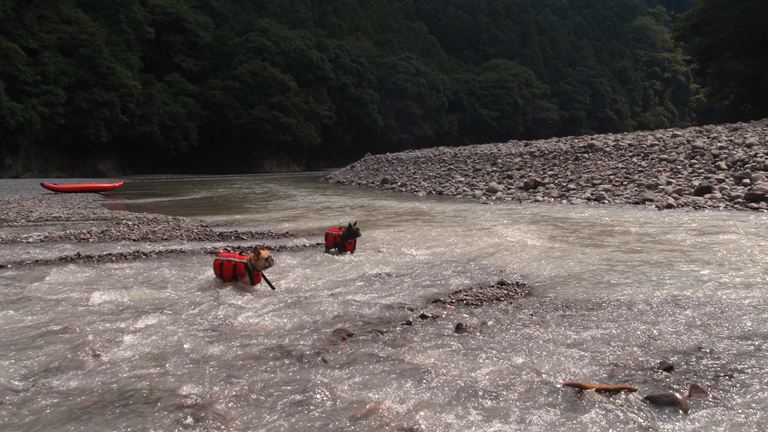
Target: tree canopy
(728, 40)
(227, 86)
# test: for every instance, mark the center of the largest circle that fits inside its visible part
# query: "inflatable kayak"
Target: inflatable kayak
(82, 187)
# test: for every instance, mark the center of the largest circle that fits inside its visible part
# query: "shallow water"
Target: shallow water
(159, 345)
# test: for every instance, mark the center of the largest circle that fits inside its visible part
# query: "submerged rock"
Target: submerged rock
(499, 291)
(696, 391)
(460, 328)
(668, 399)
(665, 366)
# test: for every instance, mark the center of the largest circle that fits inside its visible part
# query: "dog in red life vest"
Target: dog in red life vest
(342, 239)
(244, 268)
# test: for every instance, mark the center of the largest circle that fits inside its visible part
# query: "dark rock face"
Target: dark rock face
(706, 167)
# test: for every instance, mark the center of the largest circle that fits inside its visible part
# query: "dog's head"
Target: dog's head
(261, 258)
(351, 232)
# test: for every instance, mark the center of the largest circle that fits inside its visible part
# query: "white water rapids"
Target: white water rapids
(156, 344)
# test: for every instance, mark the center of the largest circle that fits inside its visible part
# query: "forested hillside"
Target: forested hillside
(92, 87)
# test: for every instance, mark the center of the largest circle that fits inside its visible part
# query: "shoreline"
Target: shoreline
(81, 219)
(721, 167)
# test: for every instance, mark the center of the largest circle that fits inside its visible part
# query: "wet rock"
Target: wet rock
(460, 328)
(342, 333)
(755, 197)
(696, 391)
(595, 169)
(410, 428)
(665, 366)
(703, 189)
(371, 410)
(501, 290)
(668, 400)
(494, 187)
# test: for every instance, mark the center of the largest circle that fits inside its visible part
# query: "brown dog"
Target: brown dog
(244, 268)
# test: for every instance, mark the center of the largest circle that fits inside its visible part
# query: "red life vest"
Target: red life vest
(230, 267)
(333, 240)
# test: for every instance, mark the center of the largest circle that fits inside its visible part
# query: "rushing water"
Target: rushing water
(159, 345)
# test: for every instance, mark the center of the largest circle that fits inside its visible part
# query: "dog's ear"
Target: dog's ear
(354, 224)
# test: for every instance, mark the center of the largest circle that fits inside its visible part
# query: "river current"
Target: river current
(158, 344)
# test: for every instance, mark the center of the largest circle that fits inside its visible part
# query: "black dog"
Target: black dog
(343, 239)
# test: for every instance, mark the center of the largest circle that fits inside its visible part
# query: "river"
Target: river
(159, 345)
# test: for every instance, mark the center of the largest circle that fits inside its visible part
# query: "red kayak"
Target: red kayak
(82, 187)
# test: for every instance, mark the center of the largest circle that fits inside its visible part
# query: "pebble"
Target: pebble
(665, 366)
(81, 219)
(668, 399)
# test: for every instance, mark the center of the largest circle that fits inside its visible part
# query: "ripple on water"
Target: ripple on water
(157, 344)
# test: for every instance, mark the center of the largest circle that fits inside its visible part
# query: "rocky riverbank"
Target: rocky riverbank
(79, 218)
(707, 167)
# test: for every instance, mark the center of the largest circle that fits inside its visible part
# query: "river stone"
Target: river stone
(702, 189)
(696, 391)
(760, 188)
(741, 175)
(668, 399)
(754, 197)
(532, 183)
(577, 166)
(646, 196)
(494, 188)
(460, 328)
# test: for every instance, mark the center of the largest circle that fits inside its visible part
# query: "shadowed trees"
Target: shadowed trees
(150, 86)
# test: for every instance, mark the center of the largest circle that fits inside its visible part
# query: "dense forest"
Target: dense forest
(92, 87)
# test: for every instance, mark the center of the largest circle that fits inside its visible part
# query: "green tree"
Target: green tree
(503, 101)
(728, 40)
